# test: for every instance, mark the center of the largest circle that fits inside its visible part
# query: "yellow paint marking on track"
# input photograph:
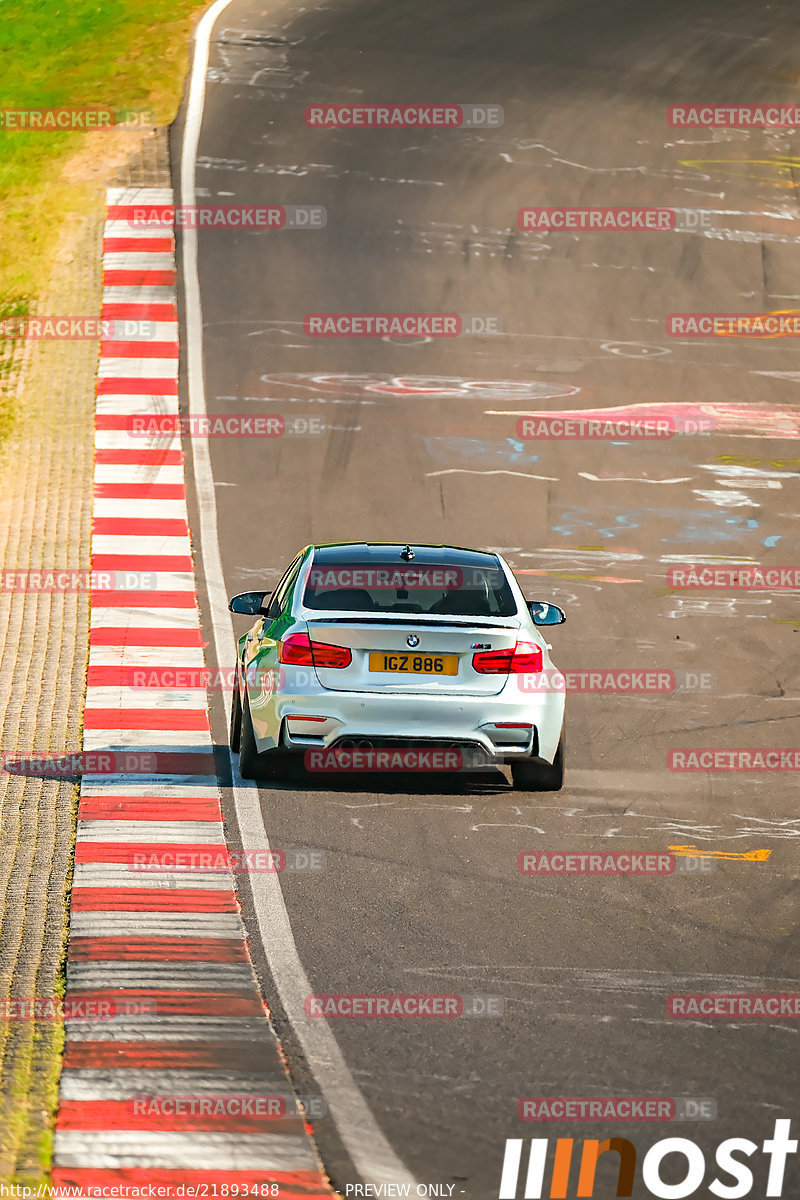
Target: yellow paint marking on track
(743, 856)
(778, 463)
(778, 170)
(588, 578)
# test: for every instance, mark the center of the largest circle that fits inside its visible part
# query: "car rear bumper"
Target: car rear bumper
(284, 719)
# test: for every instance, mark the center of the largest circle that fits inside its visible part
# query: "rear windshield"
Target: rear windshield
(438, 589)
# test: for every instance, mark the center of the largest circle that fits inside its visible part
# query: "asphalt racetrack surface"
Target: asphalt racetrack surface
(420, 444)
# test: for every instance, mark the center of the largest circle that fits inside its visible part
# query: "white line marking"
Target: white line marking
(131, 293)
(201, 1151)
(89, 1083)
(174, 976)
(141, 545)
(146, 195)
(143, 474)
(467, 471)
(135, 367)
(138, 924)
(132, 260)
(142, 507)
(630, 479)
(154, 834)
(126, 875)
(372, 1156)
(180, 657)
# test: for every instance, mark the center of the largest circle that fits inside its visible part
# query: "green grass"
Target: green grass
(128, 54)
(9, 356)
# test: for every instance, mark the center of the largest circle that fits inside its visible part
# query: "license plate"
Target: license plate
(414, 664)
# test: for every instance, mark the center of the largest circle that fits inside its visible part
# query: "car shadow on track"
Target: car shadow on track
(295, 776)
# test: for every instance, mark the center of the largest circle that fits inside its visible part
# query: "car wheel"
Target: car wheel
(252, 765)
(536, 775)
(236, 719)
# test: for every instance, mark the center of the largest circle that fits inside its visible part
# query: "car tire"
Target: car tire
(235, 735)
(536, 775)
(270, 764)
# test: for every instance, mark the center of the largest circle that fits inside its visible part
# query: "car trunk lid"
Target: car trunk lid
(438, 658)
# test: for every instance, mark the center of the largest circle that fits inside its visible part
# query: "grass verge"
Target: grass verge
(130, 55)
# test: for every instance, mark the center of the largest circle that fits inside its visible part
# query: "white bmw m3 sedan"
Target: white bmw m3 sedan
(380, 646)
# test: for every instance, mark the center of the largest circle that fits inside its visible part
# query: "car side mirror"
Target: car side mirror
(546, 614)
(249, 604)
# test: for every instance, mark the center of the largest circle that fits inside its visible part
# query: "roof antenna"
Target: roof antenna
(407, 553)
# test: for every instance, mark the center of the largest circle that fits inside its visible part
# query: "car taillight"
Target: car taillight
(330, 656)
(524, 659)
(296, 649)
(300, 651)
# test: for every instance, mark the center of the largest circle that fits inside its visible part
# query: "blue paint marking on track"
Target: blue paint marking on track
(507, 450)
(700, 525)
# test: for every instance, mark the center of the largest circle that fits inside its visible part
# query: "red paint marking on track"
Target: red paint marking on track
(136, 599)
(144, 636)
(133, 385)
(147, 808)
(138, 349)
(142, 562)
(124, 423)
(132, 1115)
(188, 949)
(179, 719)
(151, 900)
(138, 277)
(141, 526)
(140, 491)
(137, 214)
(132, 852)
(139, 311)
(154, 245)
(172, 1002)
(139, 458)
(193, 679)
